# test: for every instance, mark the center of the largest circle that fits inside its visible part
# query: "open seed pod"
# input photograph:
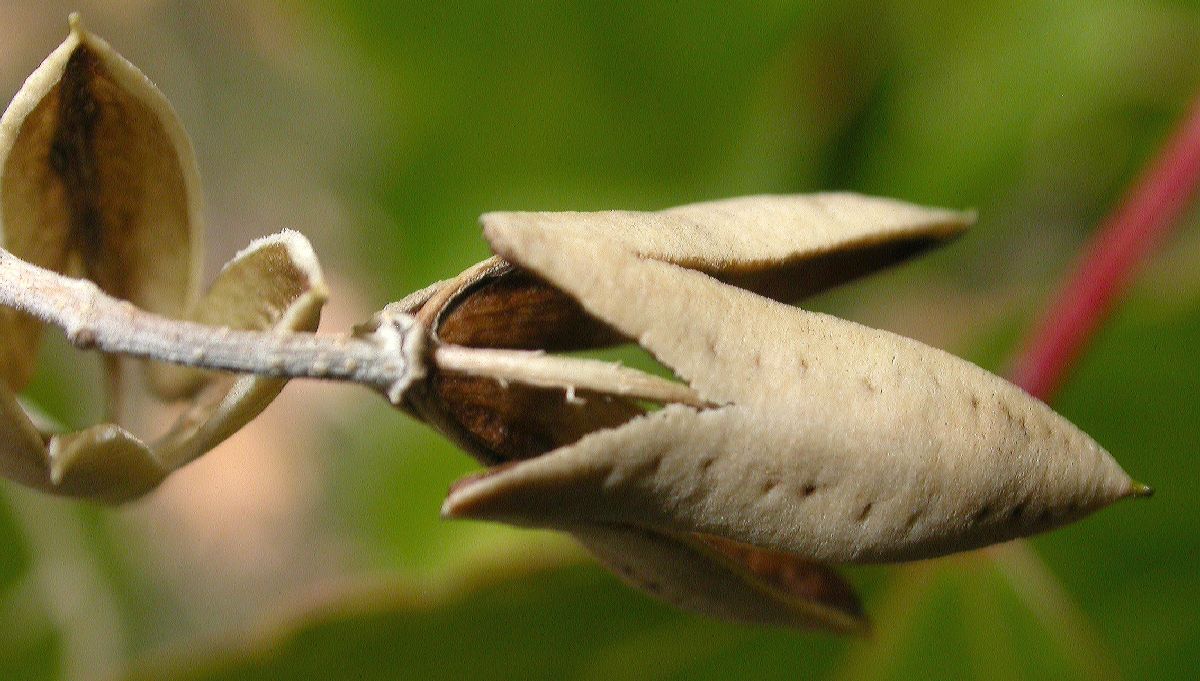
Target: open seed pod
(813, 440)
(274, 283)
(930, 454)
(783, 247)
(98, 180)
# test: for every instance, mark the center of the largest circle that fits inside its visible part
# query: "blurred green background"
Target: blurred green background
(308, 546)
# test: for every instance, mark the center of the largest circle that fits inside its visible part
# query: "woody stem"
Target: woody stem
(385, 360)
(388, 359)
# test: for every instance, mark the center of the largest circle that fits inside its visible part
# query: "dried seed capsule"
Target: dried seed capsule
(868, 429)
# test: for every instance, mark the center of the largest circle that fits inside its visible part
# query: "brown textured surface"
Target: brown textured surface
(515, 310)
(519, 422)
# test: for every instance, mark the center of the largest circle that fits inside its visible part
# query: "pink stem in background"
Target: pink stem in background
(1105, 269)
(1149, 213)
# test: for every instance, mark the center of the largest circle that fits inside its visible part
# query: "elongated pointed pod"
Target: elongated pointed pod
(837, 442)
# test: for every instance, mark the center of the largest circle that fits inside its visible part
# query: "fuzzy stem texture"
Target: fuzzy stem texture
(93, 320)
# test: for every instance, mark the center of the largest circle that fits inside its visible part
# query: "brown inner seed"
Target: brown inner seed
(514, 310)
(521, 422)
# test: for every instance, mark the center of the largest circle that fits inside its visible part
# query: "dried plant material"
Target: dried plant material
(499, 423)
(97, 179)
(511, 309)
(388, 355)
(103, 463)
(783, 247)
(839, 443)
(818, 440)
(726, 580)
(283, 273)
(22, 447)
(792, 440)
(512, 418)
(275, 283)
(566, 374)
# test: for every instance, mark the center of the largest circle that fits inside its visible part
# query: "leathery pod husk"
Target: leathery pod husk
(98, 180)
(783, 247)
(830, 441)
(801, 441)
(274, 283)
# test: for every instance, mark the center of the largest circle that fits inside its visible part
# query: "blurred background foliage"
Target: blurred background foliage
(309, 546)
